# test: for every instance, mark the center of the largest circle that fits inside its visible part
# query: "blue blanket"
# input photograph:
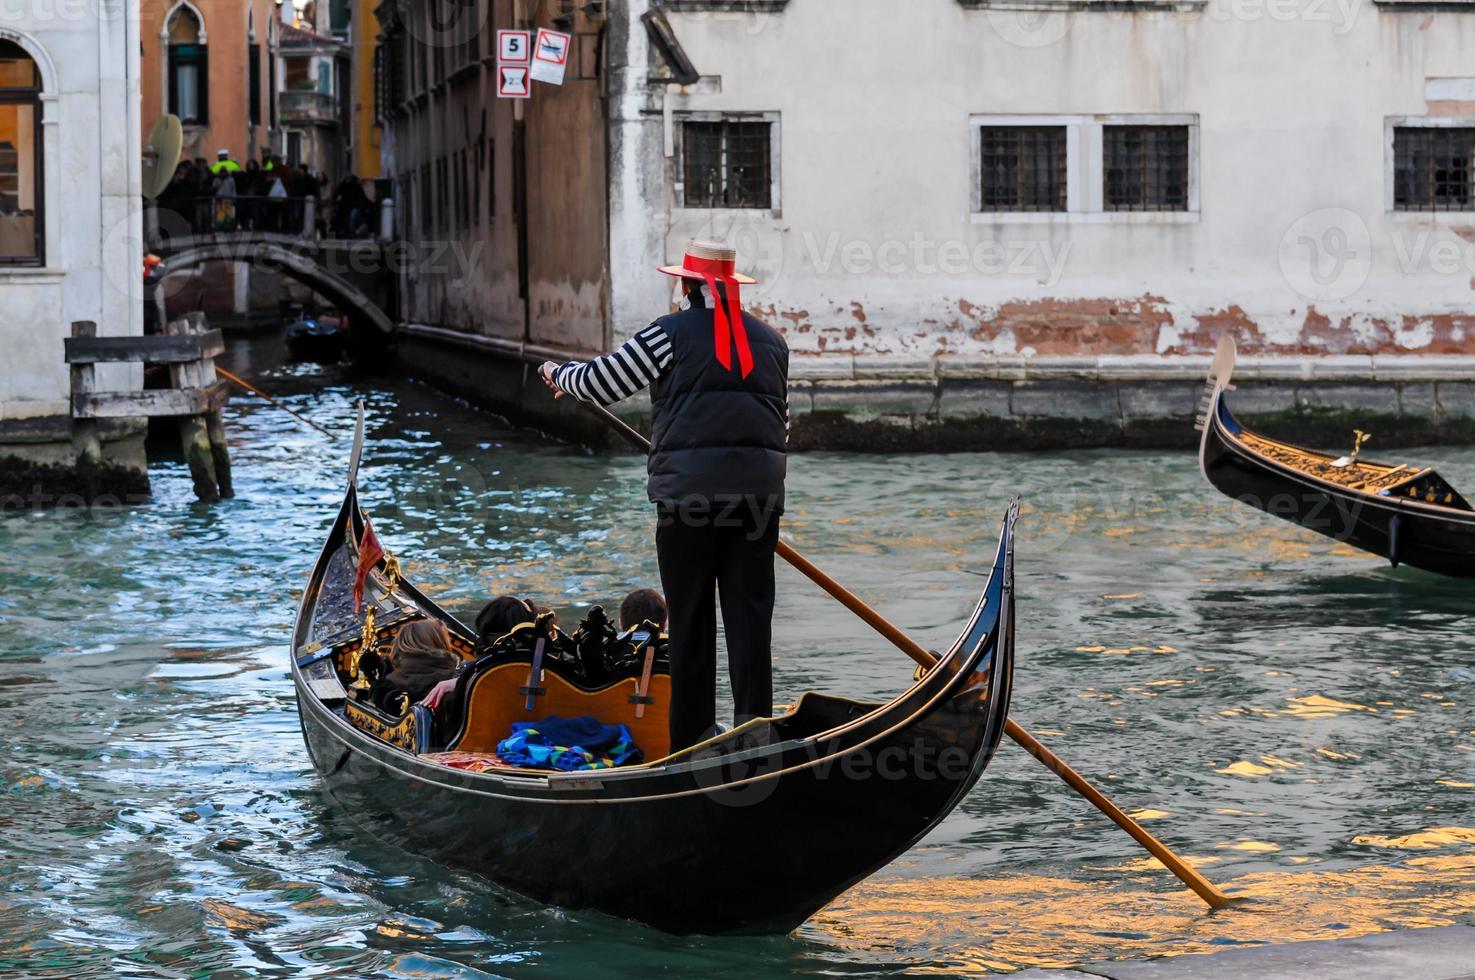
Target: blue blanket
(569, 744)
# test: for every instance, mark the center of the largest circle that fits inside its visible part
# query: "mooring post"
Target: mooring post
(206, 378)
(194, 434)
(84, 381)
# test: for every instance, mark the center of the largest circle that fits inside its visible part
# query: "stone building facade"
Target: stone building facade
(70, 223)
(978, 222)
(212, 63)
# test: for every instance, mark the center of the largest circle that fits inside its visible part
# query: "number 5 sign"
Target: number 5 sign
(514, 47)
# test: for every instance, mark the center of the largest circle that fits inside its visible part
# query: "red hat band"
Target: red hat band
(727, 324)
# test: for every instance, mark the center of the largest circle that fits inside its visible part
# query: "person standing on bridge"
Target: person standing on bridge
(223, 164)
(719, 380)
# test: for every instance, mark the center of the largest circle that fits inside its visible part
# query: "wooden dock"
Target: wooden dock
(189, 348)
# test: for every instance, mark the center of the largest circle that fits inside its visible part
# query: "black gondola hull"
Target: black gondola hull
(755, 840)
(688, 856)
(1404, 532)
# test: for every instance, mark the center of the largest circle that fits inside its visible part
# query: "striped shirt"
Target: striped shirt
(637, 364)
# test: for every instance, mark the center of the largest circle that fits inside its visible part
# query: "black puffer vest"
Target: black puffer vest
(716, 437)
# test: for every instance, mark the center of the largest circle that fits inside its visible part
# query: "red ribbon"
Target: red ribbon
(727, 323)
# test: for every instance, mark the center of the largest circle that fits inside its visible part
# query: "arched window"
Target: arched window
(189, 68)
(22, 223)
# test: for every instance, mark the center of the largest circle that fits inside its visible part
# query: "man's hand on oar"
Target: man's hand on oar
(546, 373)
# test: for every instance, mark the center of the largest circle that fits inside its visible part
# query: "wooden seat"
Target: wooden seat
(498, 694)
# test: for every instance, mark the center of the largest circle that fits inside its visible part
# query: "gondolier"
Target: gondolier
(719, 431)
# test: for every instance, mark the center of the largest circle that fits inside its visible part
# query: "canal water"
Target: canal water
(1292, 715)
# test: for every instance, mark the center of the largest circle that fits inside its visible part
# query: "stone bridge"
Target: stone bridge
(353, 274)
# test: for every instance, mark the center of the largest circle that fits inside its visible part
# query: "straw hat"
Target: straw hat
(703, 259)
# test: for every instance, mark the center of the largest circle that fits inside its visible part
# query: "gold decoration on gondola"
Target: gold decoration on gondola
(1358, 438)
(366, 645)
(1364, 476)
(400, 733)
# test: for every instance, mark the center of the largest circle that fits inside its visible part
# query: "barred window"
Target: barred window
(727, 164)
(1432, 168)
(1145, 168)
(1023, 168)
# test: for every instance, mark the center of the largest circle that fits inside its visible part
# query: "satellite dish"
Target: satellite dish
(161, 155)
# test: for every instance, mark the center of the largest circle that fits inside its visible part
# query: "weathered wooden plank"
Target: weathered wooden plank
(177, 349)
(85, 438)
(133, 404)
(194, 430)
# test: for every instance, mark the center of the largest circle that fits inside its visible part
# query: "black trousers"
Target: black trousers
(731, 550)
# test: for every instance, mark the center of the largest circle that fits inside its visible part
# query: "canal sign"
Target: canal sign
(512, 82)
(514, 47)
(550, 56)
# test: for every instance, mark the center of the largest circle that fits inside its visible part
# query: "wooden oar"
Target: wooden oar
(1201, 885)
(272, 401)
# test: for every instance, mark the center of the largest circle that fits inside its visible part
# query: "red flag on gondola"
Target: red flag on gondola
(370, 551)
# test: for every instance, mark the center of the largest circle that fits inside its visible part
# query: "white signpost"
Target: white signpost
(550, 56)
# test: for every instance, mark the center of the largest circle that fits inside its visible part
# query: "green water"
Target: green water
(1290, 713)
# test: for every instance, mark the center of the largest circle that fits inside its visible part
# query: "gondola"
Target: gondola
(1407, 514)
(750, 832)
(320, 339)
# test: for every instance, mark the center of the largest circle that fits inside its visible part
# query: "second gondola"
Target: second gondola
(1408, 514)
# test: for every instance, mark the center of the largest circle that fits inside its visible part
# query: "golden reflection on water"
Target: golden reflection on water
(1012, 922)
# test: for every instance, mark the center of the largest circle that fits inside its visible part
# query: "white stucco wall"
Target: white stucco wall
(877, 248)
(88, 55)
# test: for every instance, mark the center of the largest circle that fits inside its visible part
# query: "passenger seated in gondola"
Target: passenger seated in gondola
(643, 606)
(643, 617)
(497, 618)
(599, 647)
(500, 616)
(419, 659)
(509, 625)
